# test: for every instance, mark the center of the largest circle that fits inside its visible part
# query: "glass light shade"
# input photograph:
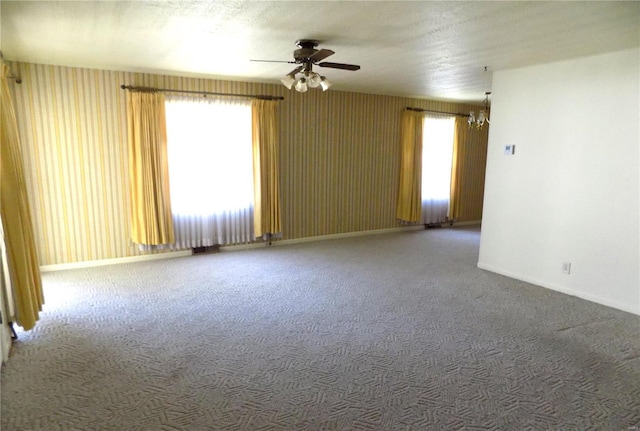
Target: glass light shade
(481, 117)
(314, 80)
(288, 81)
(325, 83)
(301, 86)
(472, 118)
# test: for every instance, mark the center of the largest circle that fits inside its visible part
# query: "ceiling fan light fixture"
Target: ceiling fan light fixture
(301, 85)
(307, 56)
(288, 81)
(325, 83)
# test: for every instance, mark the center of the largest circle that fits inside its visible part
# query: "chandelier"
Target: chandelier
(307, 79)
(483, 115)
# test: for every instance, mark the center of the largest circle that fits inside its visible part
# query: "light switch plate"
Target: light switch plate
(509, 150)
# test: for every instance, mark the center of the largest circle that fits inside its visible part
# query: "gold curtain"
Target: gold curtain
(409, 195)
(266, 171)
(15, 212)
(151, 221)
(461, 129)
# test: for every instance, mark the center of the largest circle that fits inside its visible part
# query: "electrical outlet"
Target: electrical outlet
(566, 268)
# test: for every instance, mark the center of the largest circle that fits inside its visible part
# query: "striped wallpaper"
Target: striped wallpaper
(339, 158)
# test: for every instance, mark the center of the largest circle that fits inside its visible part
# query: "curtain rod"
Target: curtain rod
(436, 112)
(166, 90)
(12, 75)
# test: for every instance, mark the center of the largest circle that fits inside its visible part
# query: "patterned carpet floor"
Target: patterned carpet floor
(385, 332)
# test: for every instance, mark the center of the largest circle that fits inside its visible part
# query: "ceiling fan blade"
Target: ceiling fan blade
(274, 61)
(321, 54)
(339, 65)
(296, 70)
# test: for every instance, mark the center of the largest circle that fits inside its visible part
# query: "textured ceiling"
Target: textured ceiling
(425, 49)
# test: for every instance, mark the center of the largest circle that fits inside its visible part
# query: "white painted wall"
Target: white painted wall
(571, 192)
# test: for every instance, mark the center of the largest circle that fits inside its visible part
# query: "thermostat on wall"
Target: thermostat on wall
(509, 150)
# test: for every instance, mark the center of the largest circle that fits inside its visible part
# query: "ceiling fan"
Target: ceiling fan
(308, 56)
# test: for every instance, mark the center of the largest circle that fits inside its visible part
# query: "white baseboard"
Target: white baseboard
(586, 296)
(370, 232)
(342, 235)
(182, 253)
(114, 261)
(467, 223)
(350, 234)
(318, 238)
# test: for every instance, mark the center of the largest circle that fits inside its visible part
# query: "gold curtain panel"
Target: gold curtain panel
(15, 211)
(266, 168)
(151, 220)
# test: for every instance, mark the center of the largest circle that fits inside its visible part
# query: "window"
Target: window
(437, 154)
(210, 170)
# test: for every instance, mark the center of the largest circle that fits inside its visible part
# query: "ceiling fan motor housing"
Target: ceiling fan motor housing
(307, 49)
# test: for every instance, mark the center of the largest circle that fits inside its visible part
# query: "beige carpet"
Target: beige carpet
(386, 332)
